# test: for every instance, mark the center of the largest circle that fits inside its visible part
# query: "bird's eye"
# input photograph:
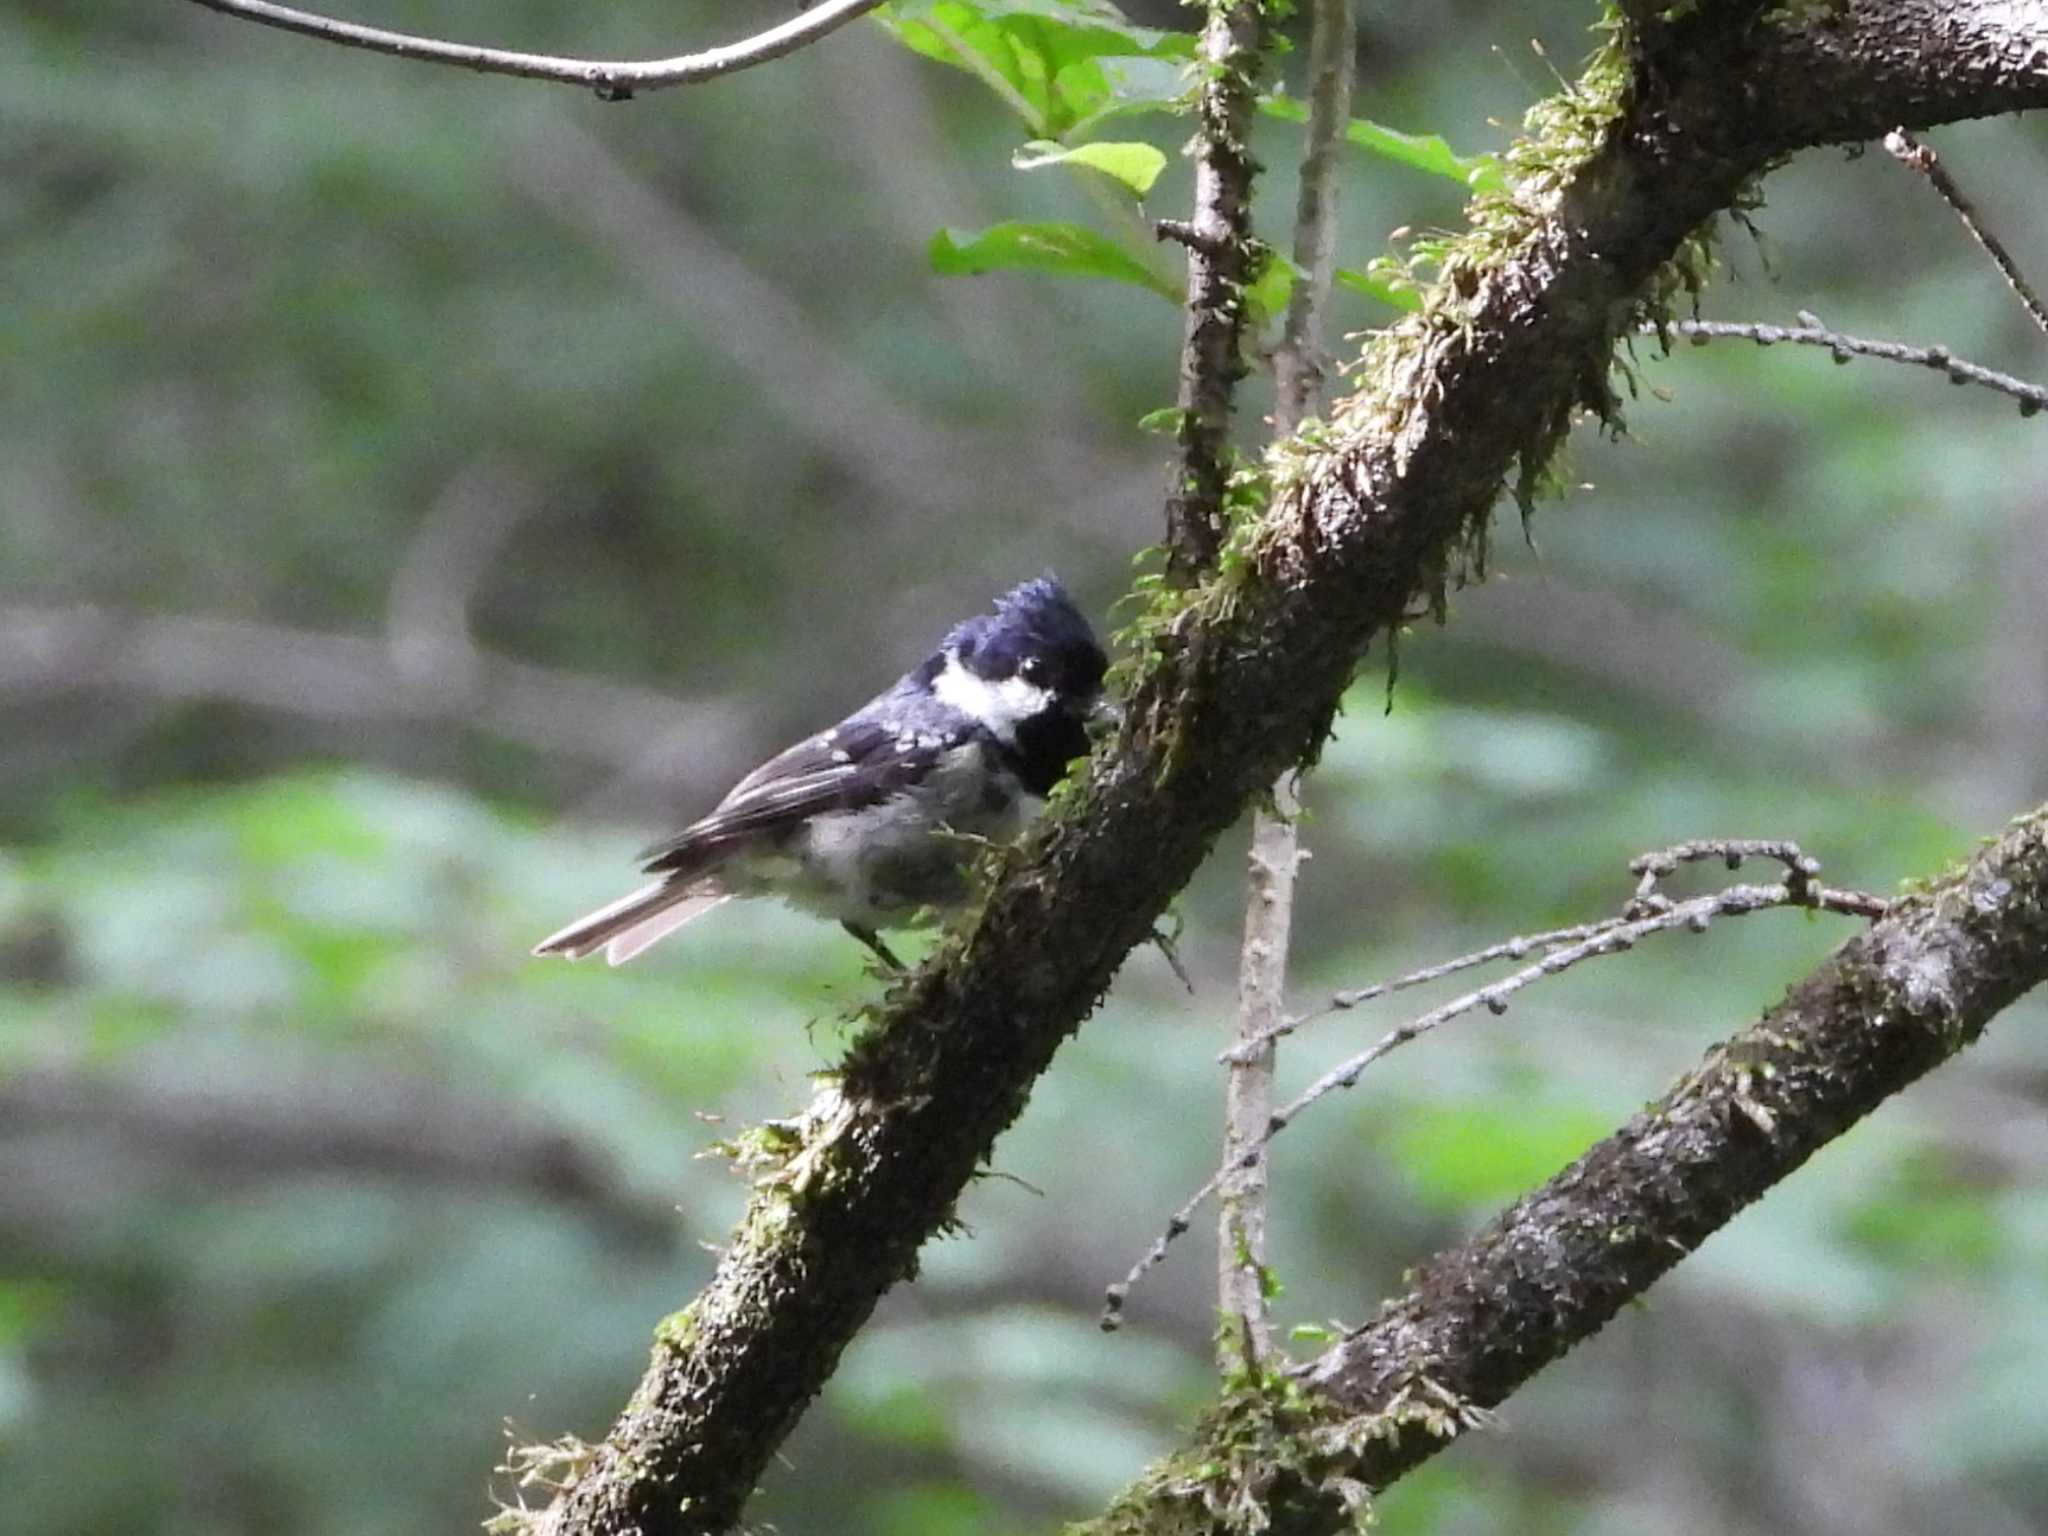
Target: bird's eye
(1032, 670)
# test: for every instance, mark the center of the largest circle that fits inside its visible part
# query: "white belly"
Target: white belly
(878, 866)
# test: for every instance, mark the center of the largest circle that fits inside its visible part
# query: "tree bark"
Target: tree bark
(1238, 680)
(1220, 264)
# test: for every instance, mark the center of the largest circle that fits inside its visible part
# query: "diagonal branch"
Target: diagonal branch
(612, 79)
(1480, 1319)
(1238, 679)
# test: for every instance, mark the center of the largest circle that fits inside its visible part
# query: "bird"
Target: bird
(872, 822)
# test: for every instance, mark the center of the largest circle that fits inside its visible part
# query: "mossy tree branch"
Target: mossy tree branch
(1887, 1007)
(1237, 680)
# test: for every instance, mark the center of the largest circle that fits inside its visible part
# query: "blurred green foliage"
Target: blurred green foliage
(310, 1178)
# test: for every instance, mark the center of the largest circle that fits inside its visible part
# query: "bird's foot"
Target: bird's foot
(873, 941)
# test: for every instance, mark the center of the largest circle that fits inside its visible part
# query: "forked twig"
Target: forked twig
(1649, 911)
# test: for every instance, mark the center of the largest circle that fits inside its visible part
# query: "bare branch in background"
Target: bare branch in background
(1276, 854)
(797, 370)
(152, 1126)
(884, 101)
(611, 79)
(1914, 155)
(427, 608)
(49, 653)
(1811, 333)
(1648, 912)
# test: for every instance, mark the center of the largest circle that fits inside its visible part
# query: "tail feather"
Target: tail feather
(627, 926)
(626, 945)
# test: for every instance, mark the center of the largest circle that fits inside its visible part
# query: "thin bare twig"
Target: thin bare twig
(1649, 867)
(1275, 846)
(611, 79)
(1248, 1091)
(1914, 155)
(1811, 333)
(1648, 912)
(1517, 948)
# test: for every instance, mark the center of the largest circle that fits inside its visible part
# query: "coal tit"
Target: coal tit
(864, 823)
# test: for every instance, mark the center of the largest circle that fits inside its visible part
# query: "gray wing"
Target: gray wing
(853, 765)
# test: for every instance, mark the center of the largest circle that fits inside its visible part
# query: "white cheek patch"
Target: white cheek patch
(1002, 706)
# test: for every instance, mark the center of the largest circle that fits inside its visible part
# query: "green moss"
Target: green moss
(678, 1331)
(1274, 1455)
(760, 1152)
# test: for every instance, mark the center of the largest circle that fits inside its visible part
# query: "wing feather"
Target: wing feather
(853, 765)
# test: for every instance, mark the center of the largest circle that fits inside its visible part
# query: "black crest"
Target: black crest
(1034, 621)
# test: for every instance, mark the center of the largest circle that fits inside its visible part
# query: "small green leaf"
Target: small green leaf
(1268, 292)
(1135, 85)
(1397, 292)
(1136, 165)
(1064, 250)
(1165, 421)
(1418, 151)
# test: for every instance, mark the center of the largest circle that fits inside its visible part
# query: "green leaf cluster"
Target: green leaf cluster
(1067, 66)
(1062, 65)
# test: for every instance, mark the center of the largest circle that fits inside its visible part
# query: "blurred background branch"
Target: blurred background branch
(47, 653)
(173, 1129)
(1222, 262)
